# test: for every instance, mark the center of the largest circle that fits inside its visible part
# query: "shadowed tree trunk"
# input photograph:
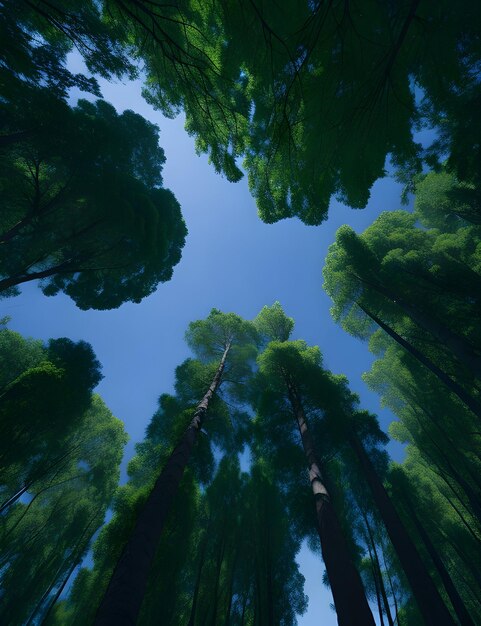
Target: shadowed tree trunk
(377, 569)
(78, 553)
(198, 579)
(452, 385)
(457, 344)
(456, 600)
(350, 600)
(218, 571)
(376, 585)
(123, 598)
(429, 601)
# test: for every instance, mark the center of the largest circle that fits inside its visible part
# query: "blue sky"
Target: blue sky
(231, 261)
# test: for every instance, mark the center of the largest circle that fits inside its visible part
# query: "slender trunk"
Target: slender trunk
(456, 600)
(377, 567)
(231, 588)
(376, 585)
(429, 601)
(122, 600)
(457, 344)
(270, 590)
(77, 554)
(397, 622)
(9, 234)
(8, 503)
(220, 560)
(244, 606)
(452, 385)
(350, 600)
(195, 597)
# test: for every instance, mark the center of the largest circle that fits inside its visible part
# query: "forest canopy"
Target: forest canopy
(259, 449)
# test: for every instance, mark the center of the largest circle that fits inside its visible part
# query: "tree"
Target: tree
(299, 369)
(85, 210)
(439, 426)
(225, 340)
(245, 568)
(416, 284)
(363, 426)
(319, 95)
(285, 367)
(46, 391)
(315, 101)
(59, 465)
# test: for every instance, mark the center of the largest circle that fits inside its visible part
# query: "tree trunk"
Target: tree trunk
(122, 600)
(78, 553)
(198, 579)
(8, 503)
(376, 586)
(377, 568)
(456, 600)
(429, 601)
(218, 571)
(231, 587)
(457, 344)
(350, 600)
(452, 385)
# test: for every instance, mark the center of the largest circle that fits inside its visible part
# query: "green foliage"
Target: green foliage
(273, 324)
(60, 456)
(83, 205)
(423, 284)
(318, 96)
(85, 210)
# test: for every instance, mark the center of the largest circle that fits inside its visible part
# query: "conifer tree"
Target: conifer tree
(225, 341)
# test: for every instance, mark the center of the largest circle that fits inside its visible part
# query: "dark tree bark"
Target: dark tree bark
(350, 600)
(457, 344)
(377, 568)
(376, 586)
(429, 601)
(231, 588)
(218, 570)
(77, 553)
(123, 598)
(198, 579)
(456, 600)
(452, 385)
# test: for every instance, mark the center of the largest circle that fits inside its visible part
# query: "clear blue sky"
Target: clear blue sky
(231, 261)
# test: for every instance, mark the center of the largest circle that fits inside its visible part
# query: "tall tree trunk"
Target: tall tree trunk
(429, 601)
(78, 553)
(244, 606)
(350, 600)
(376, 586)
(456, 600)
(218, 571)
(457, 344)
(122, 600)
(452, 385)
(391, 587)
(231, 587)
(377, 567)
(198, 579)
